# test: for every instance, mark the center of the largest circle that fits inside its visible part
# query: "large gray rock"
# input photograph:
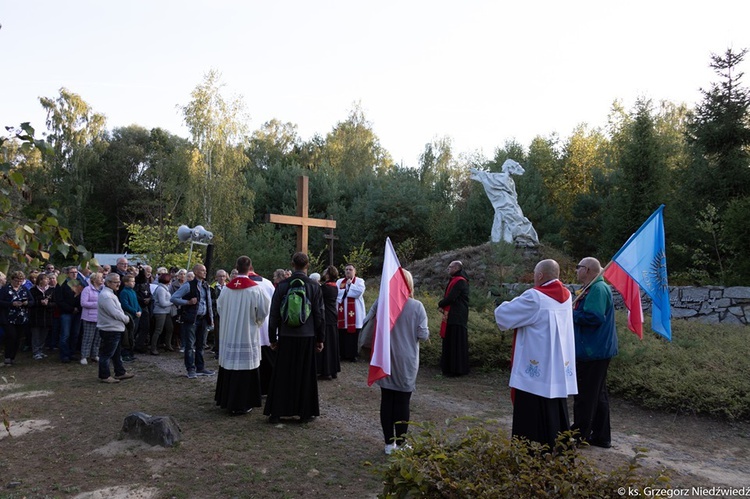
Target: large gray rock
(731, 320)
(706, 308)
(740, 292)
(154, 430)
(683, 313)
(692, 294)
(709, 319)
(722, 303)
(738, 311)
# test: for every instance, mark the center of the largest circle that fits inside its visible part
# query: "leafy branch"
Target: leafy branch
(27, 239)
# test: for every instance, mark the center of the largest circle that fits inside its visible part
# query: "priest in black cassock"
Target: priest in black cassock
(294, 382)
(454, 358)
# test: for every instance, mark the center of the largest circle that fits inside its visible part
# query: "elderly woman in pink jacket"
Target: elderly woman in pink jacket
(89, 302)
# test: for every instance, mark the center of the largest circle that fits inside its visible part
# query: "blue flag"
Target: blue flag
(644, 259)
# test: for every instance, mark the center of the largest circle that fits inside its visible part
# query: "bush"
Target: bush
(361, 258)
(703, 370)
(484, 462)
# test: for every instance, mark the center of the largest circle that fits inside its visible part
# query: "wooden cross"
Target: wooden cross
(302, 221)
(330, 238)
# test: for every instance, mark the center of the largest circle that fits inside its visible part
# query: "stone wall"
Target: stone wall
(709, 304)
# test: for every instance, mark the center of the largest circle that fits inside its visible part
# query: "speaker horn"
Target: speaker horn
(184, 233)
(201, 234)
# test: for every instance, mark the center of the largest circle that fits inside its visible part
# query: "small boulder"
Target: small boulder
(154, 430)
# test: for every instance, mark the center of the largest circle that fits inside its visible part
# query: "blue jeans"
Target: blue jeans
(110, 349)
(70, 325)
(193, 341)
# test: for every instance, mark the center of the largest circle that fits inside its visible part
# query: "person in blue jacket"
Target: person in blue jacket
(130, 305)
(596, 344)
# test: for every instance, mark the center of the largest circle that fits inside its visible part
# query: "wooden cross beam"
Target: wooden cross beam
(302, 221)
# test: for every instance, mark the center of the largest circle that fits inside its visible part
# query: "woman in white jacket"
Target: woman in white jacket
(162, 316)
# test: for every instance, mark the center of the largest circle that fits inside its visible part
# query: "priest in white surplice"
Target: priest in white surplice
(243, 306)
(351, 310)
(543, 371)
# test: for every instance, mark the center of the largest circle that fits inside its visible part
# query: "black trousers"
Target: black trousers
(591, 405)
(394, 414)
(12, 338)
(539, 419)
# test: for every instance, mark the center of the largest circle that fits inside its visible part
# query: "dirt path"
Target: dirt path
(699, 451)
(65, 428)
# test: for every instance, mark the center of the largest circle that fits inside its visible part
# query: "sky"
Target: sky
(478, 72)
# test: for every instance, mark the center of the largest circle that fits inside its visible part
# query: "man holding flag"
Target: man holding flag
(596, 344)
(401, 323)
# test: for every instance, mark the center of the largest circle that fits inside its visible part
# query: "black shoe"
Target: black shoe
(600, 443)
(308, 419)
(273, 420)
(240, 413)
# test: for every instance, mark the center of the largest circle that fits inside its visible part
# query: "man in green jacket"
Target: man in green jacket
(596, 344)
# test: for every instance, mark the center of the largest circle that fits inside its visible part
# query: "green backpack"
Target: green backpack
(295, 307)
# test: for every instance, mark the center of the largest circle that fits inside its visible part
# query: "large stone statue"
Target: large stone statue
(510, 225)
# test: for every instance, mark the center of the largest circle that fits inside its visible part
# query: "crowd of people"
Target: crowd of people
(561, 347)
(56, 311)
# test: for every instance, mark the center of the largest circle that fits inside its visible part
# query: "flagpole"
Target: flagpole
(583, 289)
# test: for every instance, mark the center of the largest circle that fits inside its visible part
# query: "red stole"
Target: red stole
(241, 282)
(555, 290)
(349, 323)
(447, 308)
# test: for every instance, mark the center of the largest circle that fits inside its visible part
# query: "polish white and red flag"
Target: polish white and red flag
(631, 295)
(393, 295)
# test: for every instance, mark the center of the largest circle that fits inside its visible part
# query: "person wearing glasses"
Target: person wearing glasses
(596, 344)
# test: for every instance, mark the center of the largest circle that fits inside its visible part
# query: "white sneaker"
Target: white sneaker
(96, 359)
(84, 361)
(389, 448)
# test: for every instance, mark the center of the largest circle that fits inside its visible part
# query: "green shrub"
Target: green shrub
(361, 258)
(703, 370)
(483, 462)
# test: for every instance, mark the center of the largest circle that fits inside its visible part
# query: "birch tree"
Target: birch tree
(216, 193)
